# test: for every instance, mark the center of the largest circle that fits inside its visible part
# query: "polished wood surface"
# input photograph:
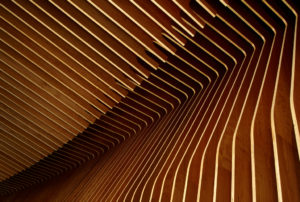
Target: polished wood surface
(149, 100)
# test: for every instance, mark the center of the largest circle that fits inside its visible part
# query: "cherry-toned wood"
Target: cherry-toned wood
(182, 100)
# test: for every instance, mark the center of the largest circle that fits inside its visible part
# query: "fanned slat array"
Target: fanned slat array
(183, 100)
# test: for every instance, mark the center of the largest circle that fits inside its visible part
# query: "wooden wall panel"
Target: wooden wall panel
(149, 100)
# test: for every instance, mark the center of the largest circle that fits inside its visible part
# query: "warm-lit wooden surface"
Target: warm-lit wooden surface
(162, 100)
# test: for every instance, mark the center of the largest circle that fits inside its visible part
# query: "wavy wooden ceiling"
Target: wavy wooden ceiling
(190, 100)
